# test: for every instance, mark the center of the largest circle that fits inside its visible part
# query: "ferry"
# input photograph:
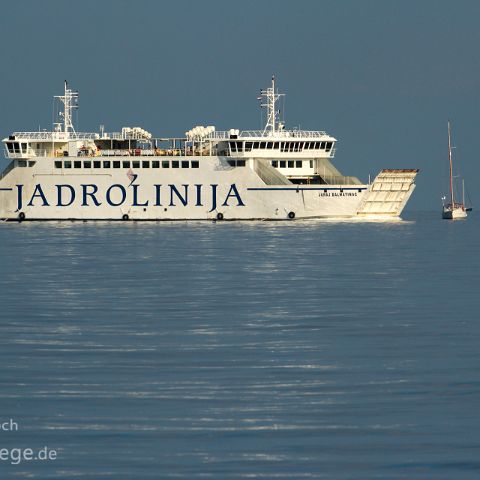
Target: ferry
(206, 174)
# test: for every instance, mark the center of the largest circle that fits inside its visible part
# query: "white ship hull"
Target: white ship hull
(269, 174)
(213, 191)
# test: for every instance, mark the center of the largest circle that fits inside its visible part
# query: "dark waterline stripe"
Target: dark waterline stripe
(307, 189)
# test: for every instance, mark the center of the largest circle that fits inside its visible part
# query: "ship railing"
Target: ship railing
(138, 152)
(78, 136)
(55, 136)
(30, 153)
(225, 135)
(124, 136)
(161, 152)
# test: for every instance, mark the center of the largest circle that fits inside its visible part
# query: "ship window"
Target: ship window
(263, 145)
(283, 163)
(274, 163)
(77, 164)
(165, 164)
(175, 164)
(145, 164)
(290, 146)
(195, 164)
(256, 144)
(233, 146)
(248, 146)
(311, 163)
(155, 164)
(67, 164)
(322, 146)
(239, 146)
(106, 164)
(116, 164)
(97, 164)
(126, 163)
(22, 163)
(236, 163)
(136, 164)
(291, 164)
(298, 164)
(276, 145)
(270, 145)
(87, 164)
(185, 164)
(329, 146)
(58, 164)
(16, 147)
(31, 164)
(10, 147)
(24, 147)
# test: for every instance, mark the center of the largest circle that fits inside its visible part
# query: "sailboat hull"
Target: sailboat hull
(455, 213)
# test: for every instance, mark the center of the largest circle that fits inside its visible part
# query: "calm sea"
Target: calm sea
(296, 350)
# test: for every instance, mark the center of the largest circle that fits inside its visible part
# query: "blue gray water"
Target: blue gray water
(297, 350)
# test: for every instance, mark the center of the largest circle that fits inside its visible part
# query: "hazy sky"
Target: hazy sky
(381, 76)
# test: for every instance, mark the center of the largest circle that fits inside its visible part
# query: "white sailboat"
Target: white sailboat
(453, 210)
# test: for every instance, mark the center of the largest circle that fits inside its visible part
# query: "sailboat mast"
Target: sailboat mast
(452, 199)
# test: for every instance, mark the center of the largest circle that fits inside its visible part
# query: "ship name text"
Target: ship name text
(117, 195)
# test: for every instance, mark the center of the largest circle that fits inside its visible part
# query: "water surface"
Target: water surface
(324, 350)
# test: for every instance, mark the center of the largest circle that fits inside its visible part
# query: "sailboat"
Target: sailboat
(453, 210)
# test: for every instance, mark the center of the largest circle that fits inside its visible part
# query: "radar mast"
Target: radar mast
(70, 102)
(269, 99)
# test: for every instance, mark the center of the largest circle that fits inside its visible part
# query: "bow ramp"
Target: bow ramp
(388, 193)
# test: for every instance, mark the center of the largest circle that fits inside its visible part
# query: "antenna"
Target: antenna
(70, 102)
(271, 97)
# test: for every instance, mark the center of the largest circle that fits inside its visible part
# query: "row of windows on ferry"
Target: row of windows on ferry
(127, 164)
(159, 164)
(292, 163)
(282, 146)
